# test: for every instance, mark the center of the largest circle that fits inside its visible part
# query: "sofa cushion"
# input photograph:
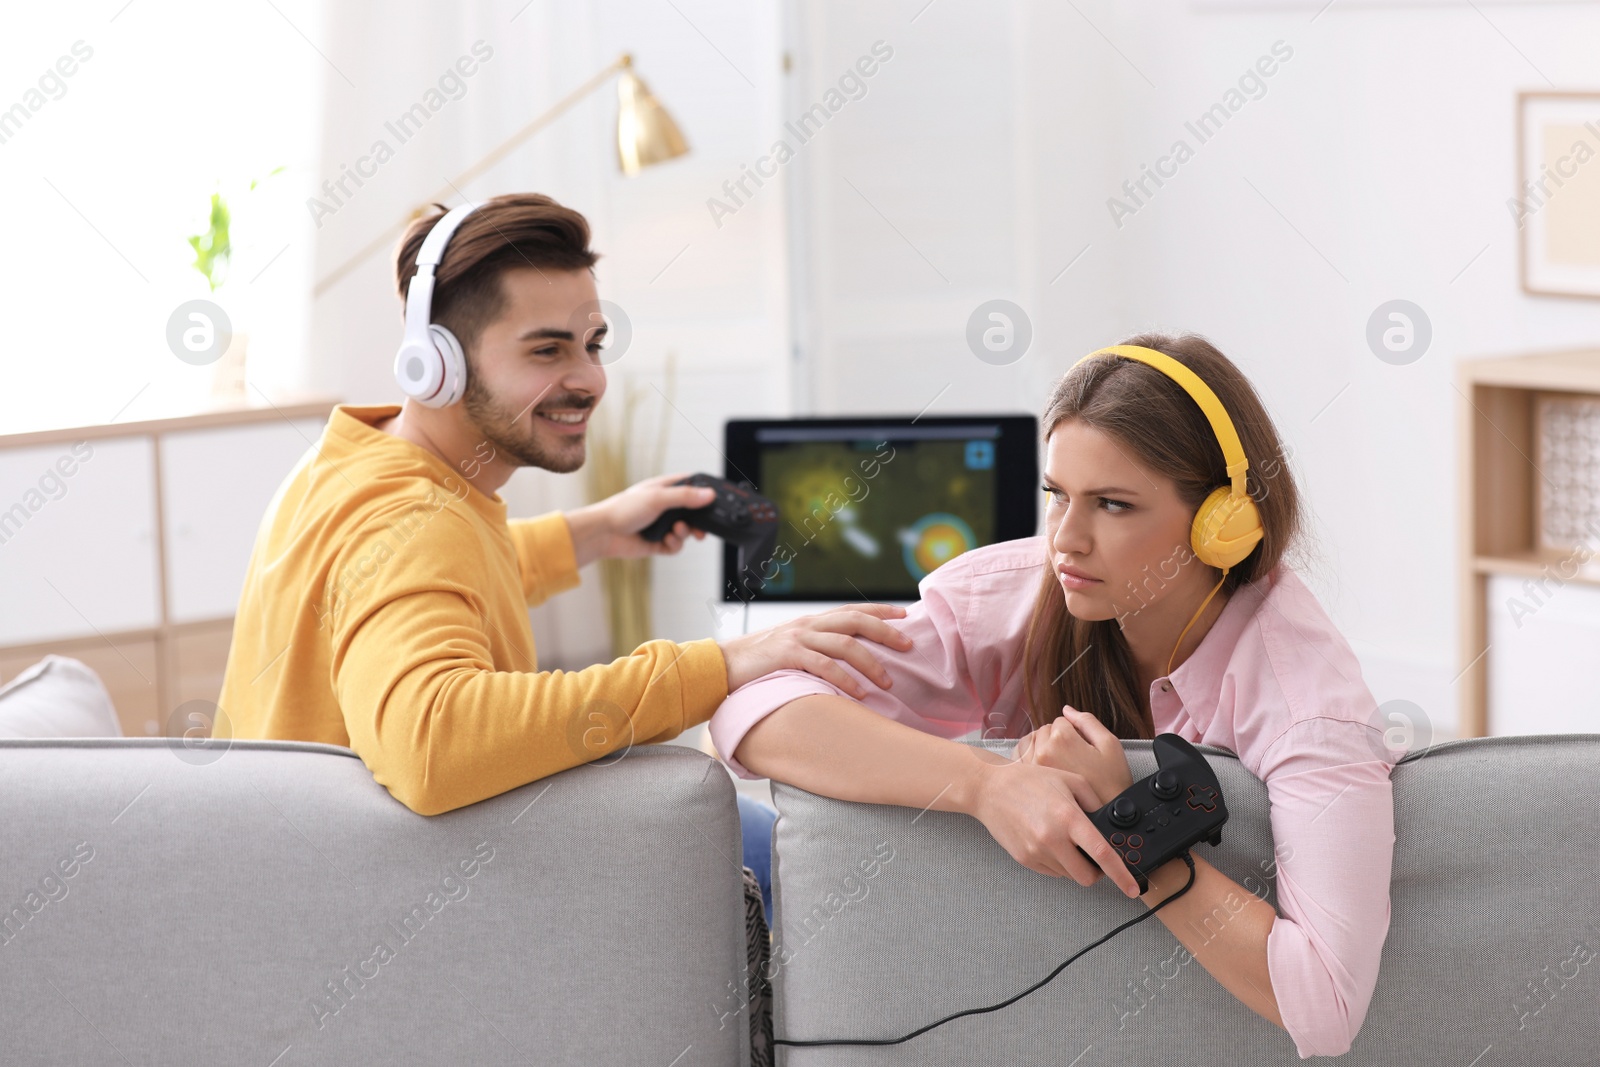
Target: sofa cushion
(269, 903)
(57, 697)
(887, 919)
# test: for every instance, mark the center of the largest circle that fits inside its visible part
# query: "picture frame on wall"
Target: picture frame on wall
(1320, 6)
(1555, 204)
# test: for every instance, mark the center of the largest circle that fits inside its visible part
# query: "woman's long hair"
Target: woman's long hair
(1087, 663)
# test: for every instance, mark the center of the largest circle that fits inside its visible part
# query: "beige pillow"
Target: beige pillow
(57, 697)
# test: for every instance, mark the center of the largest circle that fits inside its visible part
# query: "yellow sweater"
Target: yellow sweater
(385, 608)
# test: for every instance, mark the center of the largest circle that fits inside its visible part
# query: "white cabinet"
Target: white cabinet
(1539, 642)
(216, 485)
(126, 546)
(78, 554)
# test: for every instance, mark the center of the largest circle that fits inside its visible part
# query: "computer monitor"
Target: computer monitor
(870, 505)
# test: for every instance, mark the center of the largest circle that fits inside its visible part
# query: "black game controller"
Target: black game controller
(1158, 819)
(737, 514)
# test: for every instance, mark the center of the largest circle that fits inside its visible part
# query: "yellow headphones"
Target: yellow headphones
(1227, 527)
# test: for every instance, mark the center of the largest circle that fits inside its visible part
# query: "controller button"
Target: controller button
(1117, 839)
(1202, 797)
(1132, 858)
(1165, 783)
(1162, 820)
(1135, 841)
(1124, 812)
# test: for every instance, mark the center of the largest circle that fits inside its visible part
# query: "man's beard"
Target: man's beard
(500, 426)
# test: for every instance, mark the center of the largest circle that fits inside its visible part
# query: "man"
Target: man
(385, 606)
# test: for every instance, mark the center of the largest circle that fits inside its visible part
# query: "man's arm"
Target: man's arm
(552, 547)
(610, 528)
(440, 728)
(546, 556)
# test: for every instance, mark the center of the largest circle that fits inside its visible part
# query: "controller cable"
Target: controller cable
(1004, 1003)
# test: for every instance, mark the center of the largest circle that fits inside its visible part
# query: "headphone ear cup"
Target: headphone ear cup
(1226, 529)
(454, 361)
(417, 370)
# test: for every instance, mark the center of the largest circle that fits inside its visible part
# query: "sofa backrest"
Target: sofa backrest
(269, 903)
(887, 919)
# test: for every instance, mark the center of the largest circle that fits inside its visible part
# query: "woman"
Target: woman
(1112, 625)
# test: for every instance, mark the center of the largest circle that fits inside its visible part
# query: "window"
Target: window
(118, 120)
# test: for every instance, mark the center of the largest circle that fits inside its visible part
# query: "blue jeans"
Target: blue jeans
(755, 827)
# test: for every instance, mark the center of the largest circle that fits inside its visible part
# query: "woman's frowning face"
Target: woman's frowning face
(1118, 533)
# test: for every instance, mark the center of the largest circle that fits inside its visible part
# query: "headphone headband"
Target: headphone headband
(430, 366)
(1216, 414)
(419, 293)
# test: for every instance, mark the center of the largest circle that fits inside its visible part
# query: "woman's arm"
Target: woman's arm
(1312, 969)
(1332, 806)
(833, 746)
(1224, 926)
(943, 684)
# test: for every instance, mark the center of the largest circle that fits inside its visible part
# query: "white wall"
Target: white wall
(1391, 150)
(978, 164)
(1375, 166)
(933, 193)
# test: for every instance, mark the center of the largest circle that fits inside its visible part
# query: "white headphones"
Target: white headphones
(430, 366)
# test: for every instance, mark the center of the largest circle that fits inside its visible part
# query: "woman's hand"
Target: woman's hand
(1079, 742)
(1036, 813)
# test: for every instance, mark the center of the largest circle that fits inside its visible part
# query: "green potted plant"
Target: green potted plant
(213, 259)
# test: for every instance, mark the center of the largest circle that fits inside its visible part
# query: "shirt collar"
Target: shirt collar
(1197, 681)
(353, 429)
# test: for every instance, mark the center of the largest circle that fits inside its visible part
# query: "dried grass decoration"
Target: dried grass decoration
(625, 583)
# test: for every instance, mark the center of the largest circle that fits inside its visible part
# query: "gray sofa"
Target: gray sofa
(886, 920)
(268, 903)
(164, 904)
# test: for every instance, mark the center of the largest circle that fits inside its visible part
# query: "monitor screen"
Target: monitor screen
(869, 506)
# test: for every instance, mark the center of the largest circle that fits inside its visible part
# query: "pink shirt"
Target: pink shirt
(1273, 682)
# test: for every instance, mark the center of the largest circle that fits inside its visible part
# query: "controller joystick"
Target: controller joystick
(1124, 812)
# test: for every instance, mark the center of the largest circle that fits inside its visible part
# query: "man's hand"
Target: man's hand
(813, 642)
(609, 529)
(1079, 742)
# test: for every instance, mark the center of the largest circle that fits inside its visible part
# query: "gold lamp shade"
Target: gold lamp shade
(646, 134)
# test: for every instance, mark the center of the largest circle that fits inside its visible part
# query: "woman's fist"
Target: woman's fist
(1080, 743)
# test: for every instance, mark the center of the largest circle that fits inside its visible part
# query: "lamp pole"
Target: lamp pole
(622, 62)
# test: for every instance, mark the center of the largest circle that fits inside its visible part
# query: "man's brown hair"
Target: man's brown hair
(505, 232)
